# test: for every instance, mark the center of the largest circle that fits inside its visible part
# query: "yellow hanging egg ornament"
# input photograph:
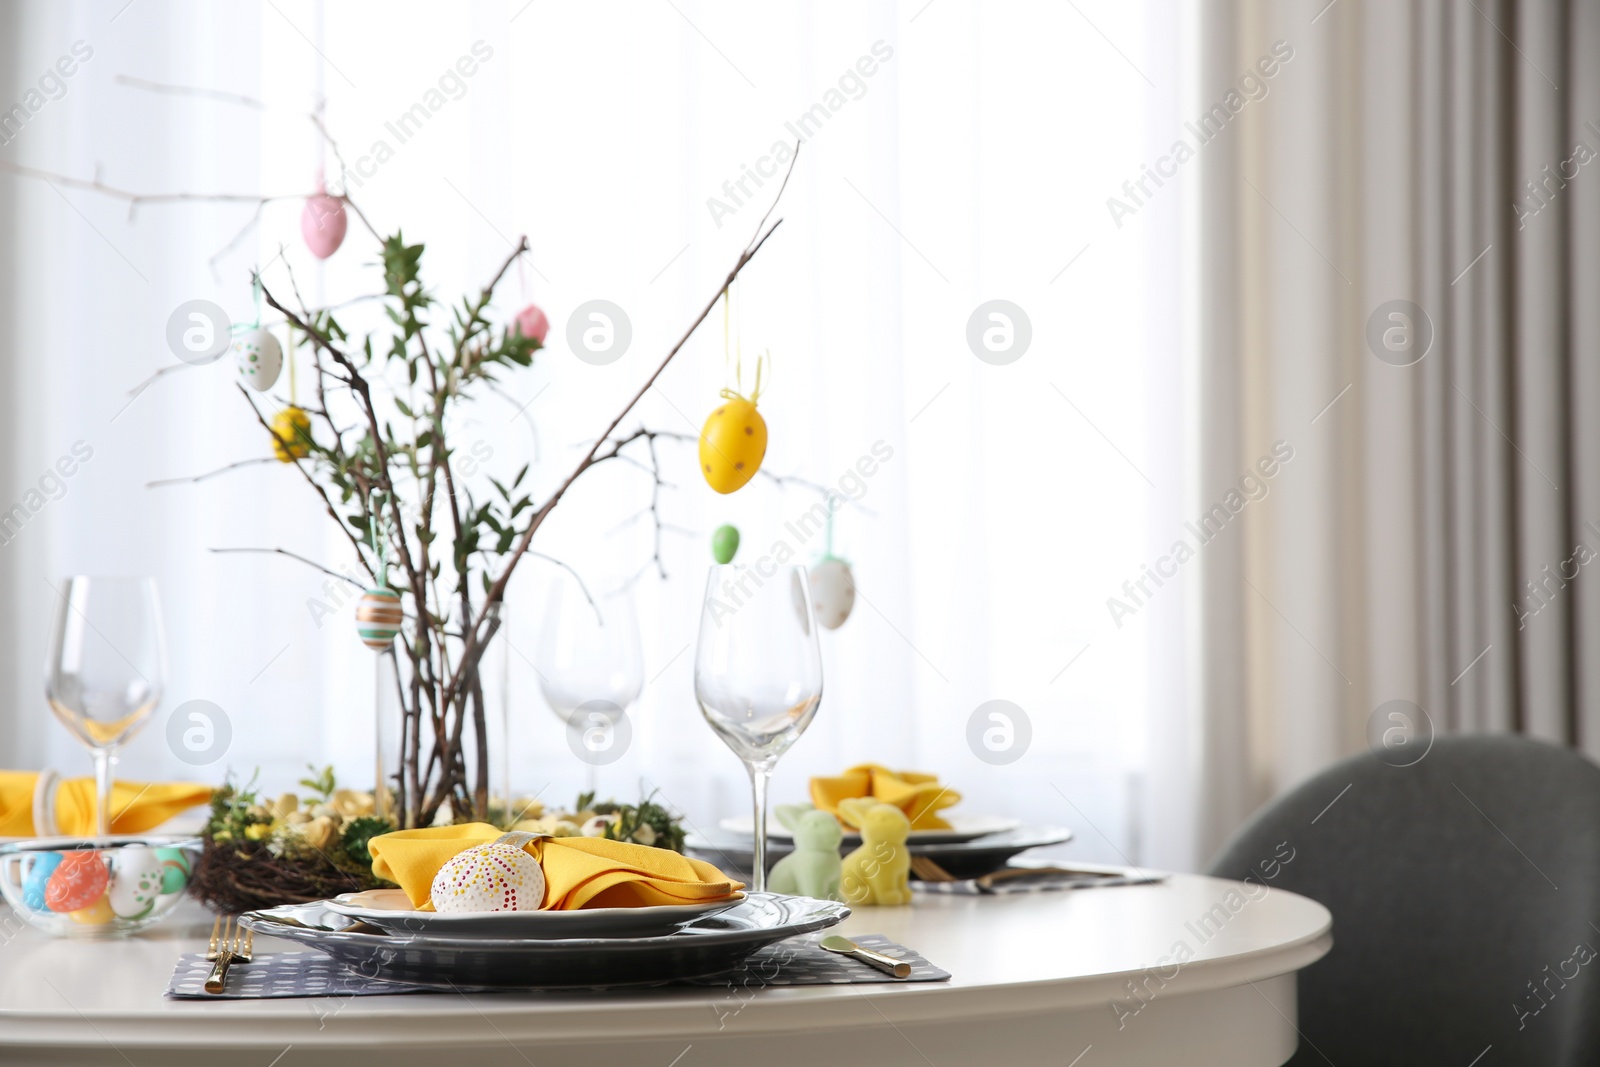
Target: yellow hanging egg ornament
(733, 441)
(291, 434)
(732, 444)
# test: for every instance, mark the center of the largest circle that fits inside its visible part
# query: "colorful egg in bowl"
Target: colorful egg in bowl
(72, 887)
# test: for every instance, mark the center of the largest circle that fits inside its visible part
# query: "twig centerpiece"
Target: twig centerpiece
(392, 475)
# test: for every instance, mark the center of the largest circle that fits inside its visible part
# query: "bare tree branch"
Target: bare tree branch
(285, 552)
(211, 474)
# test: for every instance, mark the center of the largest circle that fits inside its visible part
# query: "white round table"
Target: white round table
(1193, 970)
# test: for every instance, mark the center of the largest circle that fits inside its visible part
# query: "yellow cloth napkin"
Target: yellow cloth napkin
(579, 872)
(920, 796)
(135, 806)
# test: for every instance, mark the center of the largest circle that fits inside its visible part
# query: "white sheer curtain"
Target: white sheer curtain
(966, 155)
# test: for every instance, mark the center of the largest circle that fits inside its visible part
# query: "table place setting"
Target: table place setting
(477, 909)
(912, 809)
(795, 962)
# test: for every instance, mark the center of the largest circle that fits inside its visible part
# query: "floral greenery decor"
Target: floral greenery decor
(261, 852)
(644, 823)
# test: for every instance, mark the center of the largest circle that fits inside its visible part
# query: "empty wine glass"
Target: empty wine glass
(758, 673)
(590, 663)
(106, 669)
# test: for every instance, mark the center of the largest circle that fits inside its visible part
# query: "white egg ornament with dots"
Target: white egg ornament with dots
(833, 592)
(378, 617)
(491, 877)
(259, 357)
(136, 882)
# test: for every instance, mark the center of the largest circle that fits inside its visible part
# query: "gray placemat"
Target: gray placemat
(797, 961)
(1037, 880)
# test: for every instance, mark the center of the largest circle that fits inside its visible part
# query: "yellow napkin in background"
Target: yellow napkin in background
(579, 872)
(135, 806)
(920, 796)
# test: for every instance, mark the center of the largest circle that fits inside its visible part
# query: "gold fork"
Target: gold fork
(230, 943)
(220, 928)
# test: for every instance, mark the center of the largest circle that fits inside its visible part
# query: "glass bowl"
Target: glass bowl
(74, 887)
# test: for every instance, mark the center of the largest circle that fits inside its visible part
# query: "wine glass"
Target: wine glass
(758, 673)
(590, 664)
(106, 669)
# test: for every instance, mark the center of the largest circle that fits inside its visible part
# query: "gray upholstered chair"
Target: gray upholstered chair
(1465, 893)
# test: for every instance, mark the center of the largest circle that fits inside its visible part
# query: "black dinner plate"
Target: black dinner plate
(698, 947)
(964, 859)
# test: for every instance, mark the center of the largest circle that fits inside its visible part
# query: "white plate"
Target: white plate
(962, 828)
(391, 910)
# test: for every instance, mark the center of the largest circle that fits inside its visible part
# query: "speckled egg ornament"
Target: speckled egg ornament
(492, 877)
(378, 617)
(323, 224)
(259, 357)
(733, 441)
(833, 592)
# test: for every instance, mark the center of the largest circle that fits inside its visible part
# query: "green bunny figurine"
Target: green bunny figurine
(879, 872)
(812, 869)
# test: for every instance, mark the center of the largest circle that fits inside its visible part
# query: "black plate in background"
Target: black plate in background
(731, 851)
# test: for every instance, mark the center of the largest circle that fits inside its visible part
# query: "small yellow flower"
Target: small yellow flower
(256, 831)
(528, 808)
(352, 804)
(317, 833)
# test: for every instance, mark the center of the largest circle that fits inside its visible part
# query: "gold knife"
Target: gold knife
(887, 964)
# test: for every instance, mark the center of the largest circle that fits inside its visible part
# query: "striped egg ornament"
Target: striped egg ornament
(378, 617)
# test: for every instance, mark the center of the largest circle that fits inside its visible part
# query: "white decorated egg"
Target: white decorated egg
(833, 592)
(492, 877)
(136, 882)
(260, 358)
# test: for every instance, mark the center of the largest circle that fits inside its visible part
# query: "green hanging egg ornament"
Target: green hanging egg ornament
(725, 543)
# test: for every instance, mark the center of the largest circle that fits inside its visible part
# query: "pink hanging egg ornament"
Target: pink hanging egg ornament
(531, 322)
(323, 224)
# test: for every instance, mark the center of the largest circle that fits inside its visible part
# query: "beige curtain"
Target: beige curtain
(1432, 537)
